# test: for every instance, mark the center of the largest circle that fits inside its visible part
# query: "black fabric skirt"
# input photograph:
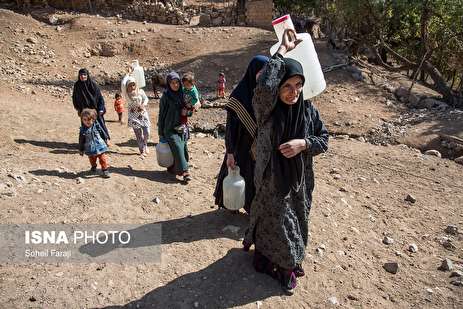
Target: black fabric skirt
(246, 164)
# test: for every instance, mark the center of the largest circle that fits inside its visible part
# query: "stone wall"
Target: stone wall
(171, 13)
(259, 13)
(256, 13)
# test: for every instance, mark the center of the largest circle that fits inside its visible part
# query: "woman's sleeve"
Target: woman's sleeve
(231, 131)
(317, 142)
(74, 99)
(266, 92)
(162, 116)
(100, 103)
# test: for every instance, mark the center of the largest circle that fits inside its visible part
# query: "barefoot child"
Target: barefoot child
(221, 86)
(138, 118)
(93, 141)
(119, 106)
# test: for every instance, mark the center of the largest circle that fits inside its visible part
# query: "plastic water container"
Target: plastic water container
(138, 74)
(234, 189)
(164, 155)
(304, 53)
(281, 24)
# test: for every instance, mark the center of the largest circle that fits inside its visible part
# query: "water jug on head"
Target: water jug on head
(304, 53)
(164, 155)
(233, 189)
(138, 74)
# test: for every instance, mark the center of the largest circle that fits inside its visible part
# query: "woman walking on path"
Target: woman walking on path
(241, 132)
(87, 94)
(138, 117)
(290, 133)
(169, 124)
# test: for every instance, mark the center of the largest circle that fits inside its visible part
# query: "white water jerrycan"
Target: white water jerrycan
(304, 53)
(234, 189)
(164, 155)
(138, 73)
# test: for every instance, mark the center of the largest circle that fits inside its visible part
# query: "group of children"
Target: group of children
(93, 141)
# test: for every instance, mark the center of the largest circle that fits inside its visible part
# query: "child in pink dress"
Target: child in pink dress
(221, 86)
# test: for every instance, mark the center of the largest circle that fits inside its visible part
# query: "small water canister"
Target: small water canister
(164, 155)
(233, 189)
(304, 53)
(138, 74)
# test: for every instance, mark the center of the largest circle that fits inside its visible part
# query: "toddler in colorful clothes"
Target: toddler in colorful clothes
(221, 86)
(191, 99)
(93, 141)
(119, 106)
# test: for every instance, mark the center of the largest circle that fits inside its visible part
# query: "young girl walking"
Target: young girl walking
(138, 118)
(93, 141)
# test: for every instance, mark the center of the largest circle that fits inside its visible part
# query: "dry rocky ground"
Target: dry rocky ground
(375, 201)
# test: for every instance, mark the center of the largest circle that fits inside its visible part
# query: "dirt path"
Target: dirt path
(359, 198)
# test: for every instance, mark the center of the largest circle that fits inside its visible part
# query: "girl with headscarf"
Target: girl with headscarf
(171, 104)
(290, 133)
(138, 118)
(241, 130)
(87, 94)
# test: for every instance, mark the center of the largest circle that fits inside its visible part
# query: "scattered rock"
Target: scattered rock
(456, 273)
(446, 265)
(451, 229)
(433, 152)
(196, 304)
(157, 200)
(447, 243)
(413, 248)
(457, 282)
(333, 300)
(413, 99)
(31, 40)
(410, 198)
(79, 180)
(352, 297)
(429, 290)
(18, 178)
(391, 267)
(32, 299)
(388, 240)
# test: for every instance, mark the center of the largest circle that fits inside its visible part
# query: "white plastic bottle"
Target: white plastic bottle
(234, 189)
(138, 73)
(164, 155)
(304, 53)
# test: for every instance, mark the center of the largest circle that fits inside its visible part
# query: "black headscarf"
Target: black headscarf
(175, 96)
(244, 91)
(289, 123)
(86, 94)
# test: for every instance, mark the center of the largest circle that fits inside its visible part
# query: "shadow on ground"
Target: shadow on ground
(228, 282)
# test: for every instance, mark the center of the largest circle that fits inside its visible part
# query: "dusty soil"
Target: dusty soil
(359, 196)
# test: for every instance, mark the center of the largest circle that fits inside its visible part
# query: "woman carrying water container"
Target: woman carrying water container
(290, 133)
(171, 105)
(241, 130)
